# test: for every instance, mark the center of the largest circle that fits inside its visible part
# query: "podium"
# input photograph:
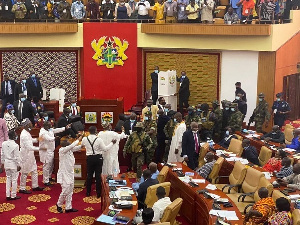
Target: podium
(167, 87)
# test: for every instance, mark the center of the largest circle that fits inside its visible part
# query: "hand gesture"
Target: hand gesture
(186, 159)
(80, 138)
(114, 141)
(176, 151)
(68, 126)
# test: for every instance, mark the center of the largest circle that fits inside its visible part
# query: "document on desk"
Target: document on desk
(106, 219)
(229, 215)
(267, 175)
(252, 135)
(294, 197)
(211, 187)
(289, 149)
(199, 181)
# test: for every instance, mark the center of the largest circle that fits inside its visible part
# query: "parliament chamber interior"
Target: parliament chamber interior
(176, 72)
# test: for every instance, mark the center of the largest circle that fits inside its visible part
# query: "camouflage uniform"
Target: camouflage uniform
(218, 118)
(188, 119)
(236, 120)
(134, 145)
(169, 130)
(150, 125)
(206, 123)
(260, 114)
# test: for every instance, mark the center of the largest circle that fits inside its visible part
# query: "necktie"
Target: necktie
(6, 88)
(24, 87)
(196, 143)
(34, 81)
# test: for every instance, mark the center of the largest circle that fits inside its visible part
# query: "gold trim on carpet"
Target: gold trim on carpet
(92, 199)
(23, 219)
(5, 207)
(31, 207)
(53, 208)
(77, 190)
(53, 220)
(39, 198)
(89, 209)
(86, 220)
(2, 180)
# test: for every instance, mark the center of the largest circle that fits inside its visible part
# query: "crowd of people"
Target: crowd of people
(170, 11)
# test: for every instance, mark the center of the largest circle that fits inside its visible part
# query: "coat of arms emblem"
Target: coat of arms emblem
(110, 52)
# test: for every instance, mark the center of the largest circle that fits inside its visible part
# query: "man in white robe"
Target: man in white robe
(176, 143)
(110, 158)
(65, 174)
(11, 160)
(28, 163)
(47, 141)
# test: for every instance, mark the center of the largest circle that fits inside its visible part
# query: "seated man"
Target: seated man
(231, 17)
(154, 174)
(205, 170)
(276, 135)
(147, 216)
(286, 168)
(295, 141)
(293, 180)
(229, 134)
(250, 152)
(144, 186)
(262, 209)
(161, 204)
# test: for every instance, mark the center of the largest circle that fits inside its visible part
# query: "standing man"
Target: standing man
(20, 87)
(130, 124)
(170, 11)
(47, 141)
(7, 92)
(150, 107)
(28, 163)
(74, 108)
(10, 119)
(10, 157)
(226, 114)
(191, 117)
(3, 137)
(23, 109)
(169, 130)
(248, 9)
(184, 91)
(63, 121)
(236, 118)
(64, 10)
(161, 103)
(65, 174)
(77, 10)
(176, 144)
(142, 8)
(150, 128)
(191, 146)
(260, 114)
(110, 158)
(280, 110)
(181, 9)
(217, 119)
(239, 90)
(94, 159)
(154, 88)
(161, 137)
(242, 105)
(34, 87)
(137, 143)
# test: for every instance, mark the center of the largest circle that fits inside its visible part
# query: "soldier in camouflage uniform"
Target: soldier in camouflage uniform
(236, 117)
(260, 114)
(217, 119)
(137, 142)
(169, 130)
(150, 128)
(191, 117)
(207, 123)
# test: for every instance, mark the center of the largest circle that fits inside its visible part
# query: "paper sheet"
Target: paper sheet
(267, 175)
(105, 219)
(229, 215)
(199, 181)
(211, 187)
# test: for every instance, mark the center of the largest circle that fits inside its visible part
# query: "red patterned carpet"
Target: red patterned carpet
(39, 207)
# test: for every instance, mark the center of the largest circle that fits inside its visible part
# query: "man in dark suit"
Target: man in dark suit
(7, 92)
(229, 134)
(191, 146)
(239, 90)
(24, 109)
(154, 88)
(34, 87)
(63, 121)
(250, 152)
(184, 91)
(130, 124)
(20, 87)
(161, 103)
(161, 136)
(144, 186)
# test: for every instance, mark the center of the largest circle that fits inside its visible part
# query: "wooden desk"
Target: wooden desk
(106, 201)
(195, 207)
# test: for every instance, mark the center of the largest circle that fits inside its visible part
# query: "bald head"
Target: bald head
(153, 167)
(263, 192)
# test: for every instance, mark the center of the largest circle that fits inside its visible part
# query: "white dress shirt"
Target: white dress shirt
(99, 146)
(10, 155)
(159, 208)
(142, 9)
(8, 86)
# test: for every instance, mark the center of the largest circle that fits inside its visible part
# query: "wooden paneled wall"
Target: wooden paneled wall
(266, 78)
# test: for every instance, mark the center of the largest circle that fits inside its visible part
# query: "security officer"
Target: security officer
(226, 114)
(236, 117)
(260, 114)
(205, 119)
(280, 110)
(190, 117)
(169, 130)
(217, 116)
(150, 127)
(138, 141)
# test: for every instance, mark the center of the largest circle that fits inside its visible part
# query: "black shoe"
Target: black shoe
(71, 210)
(88, 194)
(51, 179)
(59, 209)
(15, 198)
(8, 198)
(38, 189)
(25, 192)
(48, 184)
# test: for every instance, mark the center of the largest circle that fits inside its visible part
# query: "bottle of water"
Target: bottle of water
(115, 172)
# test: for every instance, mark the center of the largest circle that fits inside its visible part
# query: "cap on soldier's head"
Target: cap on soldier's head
(190, 108)
(261, 95)
(238, 83)
(139, 124)
(216, 102)
(148, 113)
(171, 113)
(279, 95)
(233, 105)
